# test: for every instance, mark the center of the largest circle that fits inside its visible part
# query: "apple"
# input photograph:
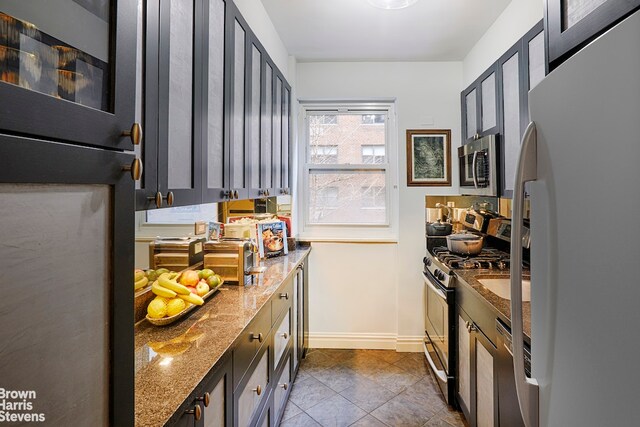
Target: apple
(192, 289)
(189, 278)
(206, 273)
(202, 289)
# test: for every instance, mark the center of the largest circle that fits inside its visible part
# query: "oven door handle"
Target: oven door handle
(434, 288)
(474, 166)
(442, 375)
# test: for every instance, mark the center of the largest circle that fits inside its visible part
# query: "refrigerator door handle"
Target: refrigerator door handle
(473, 169)
(527, 388)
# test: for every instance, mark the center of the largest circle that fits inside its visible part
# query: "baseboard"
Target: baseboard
(366, 341)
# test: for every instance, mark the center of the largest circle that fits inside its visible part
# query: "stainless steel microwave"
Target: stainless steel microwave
(479, 167)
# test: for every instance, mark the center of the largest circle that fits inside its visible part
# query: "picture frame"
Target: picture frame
(429, 157)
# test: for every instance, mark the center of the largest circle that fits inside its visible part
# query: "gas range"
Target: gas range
(440, 263)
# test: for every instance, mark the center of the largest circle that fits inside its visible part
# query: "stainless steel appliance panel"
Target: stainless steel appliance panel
(478, 162)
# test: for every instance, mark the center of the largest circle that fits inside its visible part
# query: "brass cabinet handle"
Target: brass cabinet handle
(205, 399)
(196, 411)
(135, 133)
(285, 335)
(268, 193)
(284, 295)
(158, 198)
(236, 195)
(284, 386)
(135, 168)
(258, 390)
(258, 337)
(229, 194)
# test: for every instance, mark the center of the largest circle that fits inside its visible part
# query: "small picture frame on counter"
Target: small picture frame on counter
(214, 230)
(272, 239)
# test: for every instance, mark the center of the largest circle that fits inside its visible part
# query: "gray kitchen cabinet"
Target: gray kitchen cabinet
(480, 106)
(572, 24)
(477, 392)
(281, 390)
(253, 390)
(216, 397)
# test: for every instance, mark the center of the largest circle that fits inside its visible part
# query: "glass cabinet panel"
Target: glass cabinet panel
(489, 102)
(285, 138)
(536, 60)
(58, 48)
(573, 11)
(180, 98)
(472, 111)
(277, 135)
(215, 96)
(511, 107)
(238, 149)
(266, 128)
(256, 65)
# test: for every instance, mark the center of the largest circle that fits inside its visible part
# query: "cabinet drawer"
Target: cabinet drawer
(281, 338)
(282, 388)
(281, 300)
(249, 342)
(254, 391)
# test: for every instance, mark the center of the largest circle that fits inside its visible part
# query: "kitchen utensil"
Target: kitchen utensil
(465, 243)
(438, 228)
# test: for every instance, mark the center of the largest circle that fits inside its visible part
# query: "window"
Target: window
(373, 119)
(324, 154)
(183, 214)
(373, 154)
(373, 197)
(347, 175)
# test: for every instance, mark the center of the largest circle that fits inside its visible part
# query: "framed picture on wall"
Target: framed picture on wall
(429, 157)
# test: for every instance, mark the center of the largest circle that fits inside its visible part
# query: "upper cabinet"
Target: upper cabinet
(571, 24)
(480, 111)
(210, 93)
(69, 70)
(497, 102)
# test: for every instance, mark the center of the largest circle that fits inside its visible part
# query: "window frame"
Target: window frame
(378, 232)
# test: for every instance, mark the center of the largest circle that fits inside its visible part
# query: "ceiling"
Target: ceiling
(353, 30)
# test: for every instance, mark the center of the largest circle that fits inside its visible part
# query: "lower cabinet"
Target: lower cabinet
(477, 389)
(251, 384)
(252, 392)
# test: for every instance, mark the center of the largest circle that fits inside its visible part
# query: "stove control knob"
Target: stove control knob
(427, 261)
(441, 275)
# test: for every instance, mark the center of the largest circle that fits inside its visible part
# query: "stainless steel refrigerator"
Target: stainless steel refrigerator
(581, 159)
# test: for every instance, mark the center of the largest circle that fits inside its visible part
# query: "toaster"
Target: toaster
(233, 259)
(176, 253)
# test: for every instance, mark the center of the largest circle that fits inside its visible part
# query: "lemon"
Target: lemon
(157, 309)
(163, 299)
(175, 306)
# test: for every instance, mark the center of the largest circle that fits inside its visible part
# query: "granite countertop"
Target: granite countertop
(171, 361)
(503, 306)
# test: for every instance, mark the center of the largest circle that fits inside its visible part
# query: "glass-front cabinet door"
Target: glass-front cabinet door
(179, 97)
(254, 115)
(286, 142)
(67, 71)
(277, 134)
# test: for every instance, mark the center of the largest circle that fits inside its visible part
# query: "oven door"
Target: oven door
(437, 322)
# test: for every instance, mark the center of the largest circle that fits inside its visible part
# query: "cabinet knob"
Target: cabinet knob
(284, 295)
(258, 390)
(268, 193)
(205, 399)
(135, 168)
(196, 412)
(285, 335)
(284, 386)
(158, 198)
(236, 195)
(170, 198)
(135, 133)
(258, 337)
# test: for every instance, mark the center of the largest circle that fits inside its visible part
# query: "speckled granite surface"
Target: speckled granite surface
(171, 361)
(469, 278)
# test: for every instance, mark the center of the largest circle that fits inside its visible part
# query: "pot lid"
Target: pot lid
(464, 236)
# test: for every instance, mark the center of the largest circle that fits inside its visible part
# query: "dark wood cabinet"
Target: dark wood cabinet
(70, 208)
(480, 106)
(509, 79)
(571, 24)
(69, 73)
(214, 132)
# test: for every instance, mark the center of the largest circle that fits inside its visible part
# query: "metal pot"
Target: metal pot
(465, 243)
(438, 228)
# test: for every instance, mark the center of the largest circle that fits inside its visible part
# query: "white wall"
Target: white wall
(256, 16)
(517, 18)
(370, 295)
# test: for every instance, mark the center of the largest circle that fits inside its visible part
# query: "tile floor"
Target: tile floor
(367, 388)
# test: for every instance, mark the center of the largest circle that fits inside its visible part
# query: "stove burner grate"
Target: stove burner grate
(487, 259)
